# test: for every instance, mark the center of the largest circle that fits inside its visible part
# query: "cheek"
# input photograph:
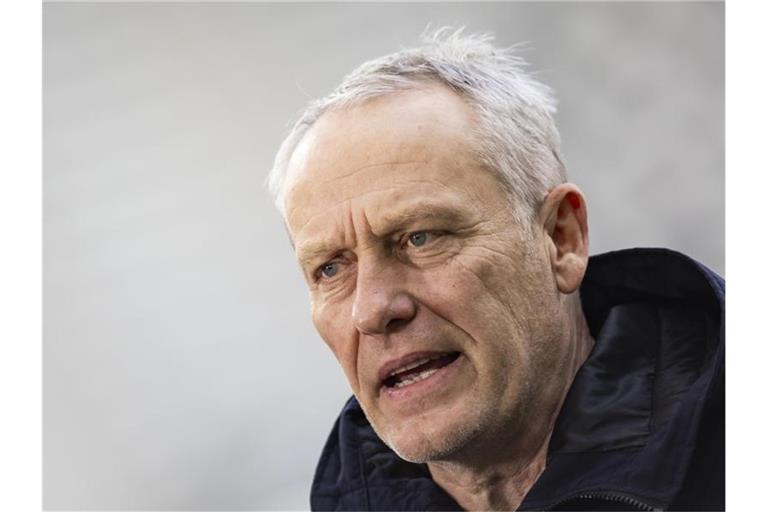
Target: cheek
(470, 291)
(485, 295)
(333, 323)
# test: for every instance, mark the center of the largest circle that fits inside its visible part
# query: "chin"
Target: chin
(426, 443)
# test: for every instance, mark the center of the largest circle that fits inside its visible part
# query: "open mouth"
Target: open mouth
(419, 370)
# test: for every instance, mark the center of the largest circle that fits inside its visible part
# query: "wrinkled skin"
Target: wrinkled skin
(407, 244)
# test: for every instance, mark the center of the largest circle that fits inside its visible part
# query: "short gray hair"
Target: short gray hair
(516, 136)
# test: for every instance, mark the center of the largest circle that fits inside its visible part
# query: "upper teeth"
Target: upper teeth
(415, 378)
(414, 364)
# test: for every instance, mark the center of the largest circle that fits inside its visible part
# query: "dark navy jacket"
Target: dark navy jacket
(642, 427)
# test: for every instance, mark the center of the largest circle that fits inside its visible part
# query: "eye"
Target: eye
(419, 238)
(329, 269)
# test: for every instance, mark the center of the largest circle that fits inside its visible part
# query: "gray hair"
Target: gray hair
(516, 136)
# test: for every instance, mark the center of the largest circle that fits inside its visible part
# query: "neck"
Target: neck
(501, 485)
(502, 481)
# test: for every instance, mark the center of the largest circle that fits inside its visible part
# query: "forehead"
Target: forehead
(389, 149)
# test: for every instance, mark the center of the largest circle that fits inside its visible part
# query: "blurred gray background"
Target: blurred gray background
(181, 369)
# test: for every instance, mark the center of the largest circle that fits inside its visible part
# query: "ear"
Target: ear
(564, 219)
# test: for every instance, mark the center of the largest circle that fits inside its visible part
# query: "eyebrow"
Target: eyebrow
(390, 222)
(408, 215)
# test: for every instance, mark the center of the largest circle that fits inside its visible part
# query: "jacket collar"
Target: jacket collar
(630, 420)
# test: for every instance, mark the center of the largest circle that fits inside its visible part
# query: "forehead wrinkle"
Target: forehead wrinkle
(329, 206)
(350, 233)
(368, 167)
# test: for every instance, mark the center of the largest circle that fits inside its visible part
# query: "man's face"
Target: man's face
(412, 257)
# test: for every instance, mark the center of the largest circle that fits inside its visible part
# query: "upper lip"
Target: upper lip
(394, 364)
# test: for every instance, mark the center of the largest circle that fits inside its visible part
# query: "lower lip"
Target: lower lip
(432, 384)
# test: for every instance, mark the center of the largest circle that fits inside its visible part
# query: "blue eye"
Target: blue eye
(329, 269)
(418, 239)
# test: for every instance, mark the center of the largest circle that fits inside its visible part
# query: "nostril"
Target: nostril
(396, 324)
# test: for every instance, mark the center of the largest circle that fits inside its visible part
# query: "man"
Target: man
(447, 261)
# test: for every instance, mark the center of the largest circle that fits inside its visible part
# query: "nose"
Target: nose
(382, 303)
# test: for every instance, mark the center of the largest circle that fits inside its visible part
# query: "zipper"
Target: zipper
(621, 498)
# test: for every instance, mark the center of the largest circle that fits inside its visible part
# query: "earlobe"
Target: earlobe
(564, 218)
